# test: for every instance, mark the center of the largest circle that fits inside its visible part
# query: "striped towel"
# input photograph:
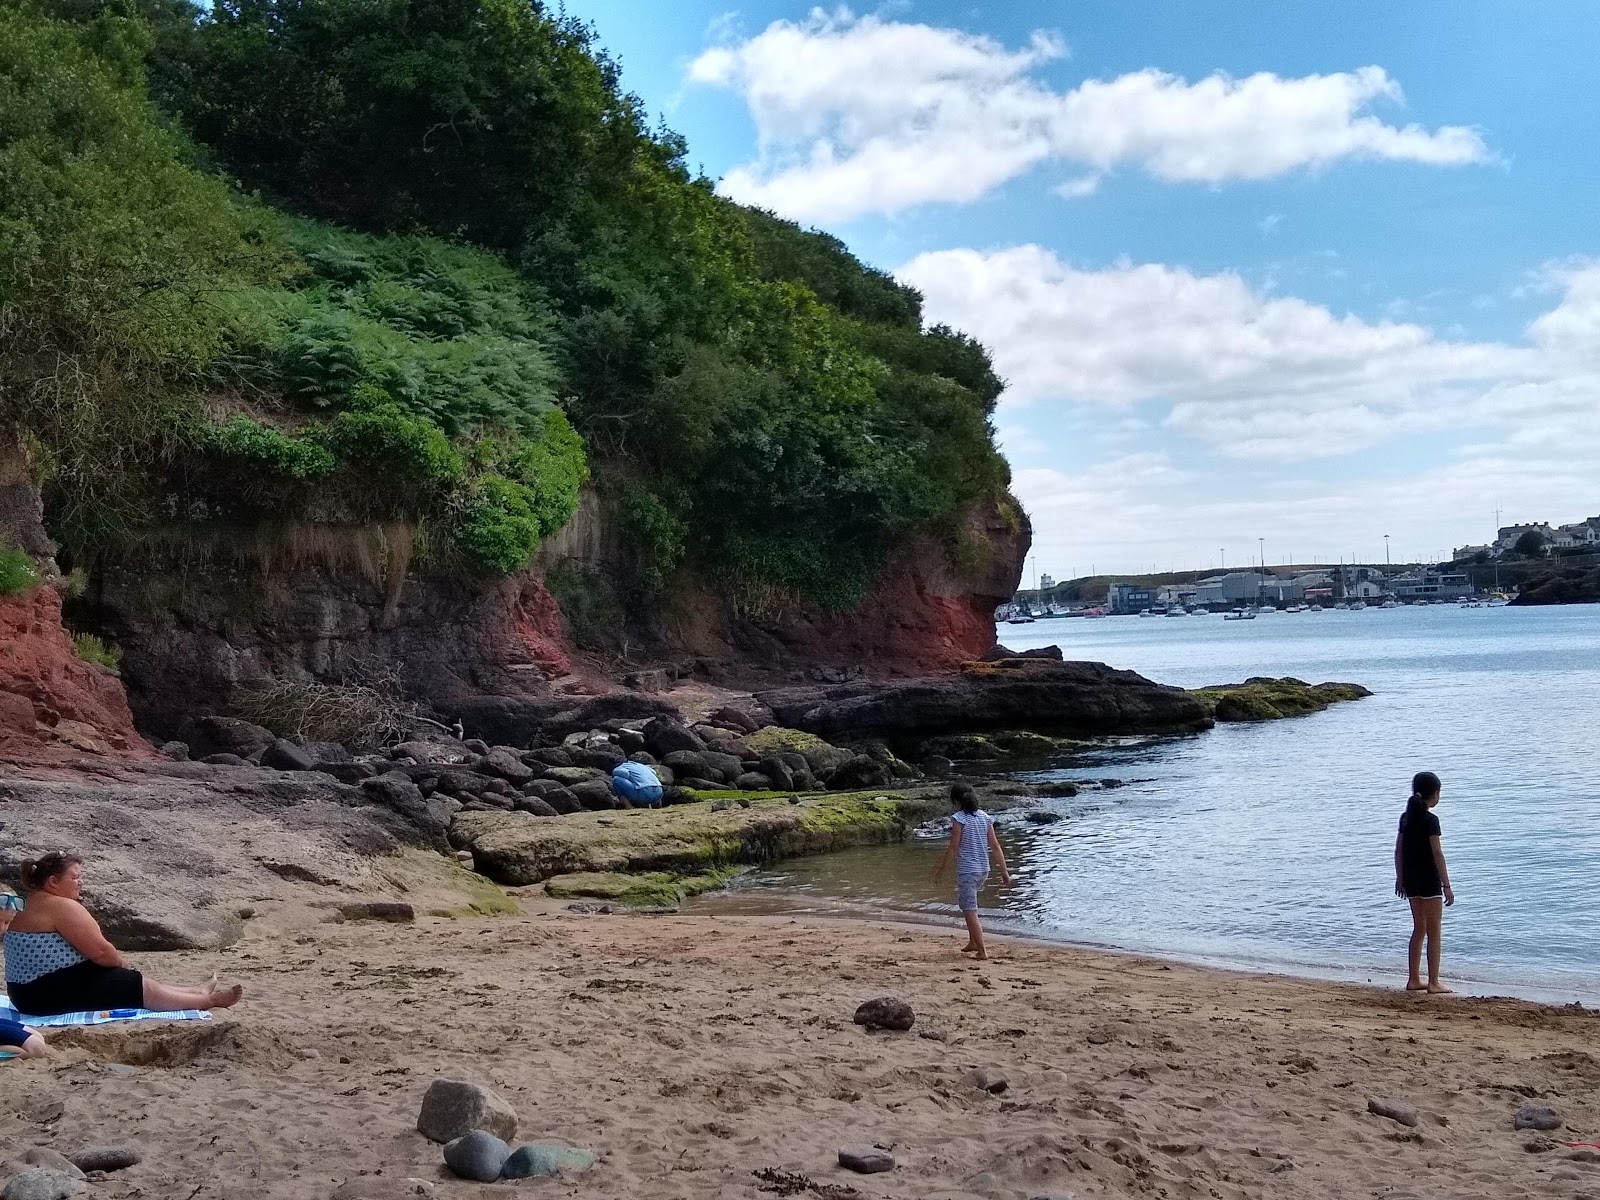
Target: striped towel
(105, 1016)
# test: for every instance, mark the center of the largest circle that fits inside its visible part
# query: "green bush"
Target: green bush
(401, 451)
(17, 572)
(498, 529)
(93, 650)
(248, 443)
(657, 533)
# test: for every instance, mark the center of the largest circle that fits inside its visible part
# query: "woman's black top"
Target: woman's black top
(1419, 874)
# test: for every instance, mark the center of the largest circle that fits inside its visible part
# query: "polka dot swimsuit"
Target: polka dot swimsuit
(31, 956)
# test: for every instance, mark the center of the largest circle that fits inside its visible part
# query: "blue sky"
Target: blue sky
(1307, 273)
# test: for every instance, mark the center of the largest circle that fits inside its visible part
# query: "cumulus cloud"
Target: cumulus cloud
(1253, 375)
(861, 114)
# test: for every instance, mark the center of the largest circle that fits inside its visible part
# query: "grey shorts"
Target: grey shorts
(967, 888)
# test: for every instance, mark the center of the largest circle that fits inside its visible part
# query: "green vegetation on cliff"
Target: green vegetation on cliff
(426, 261)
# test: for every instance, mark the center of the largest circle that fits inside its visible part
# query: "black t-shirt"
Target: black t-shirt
(1419, 874)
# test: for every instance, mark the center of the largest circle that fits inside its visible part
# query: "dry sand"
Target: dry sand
(692, 1052)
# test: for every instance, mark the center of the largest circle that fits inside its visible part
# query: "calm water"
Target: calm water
(1270, 846)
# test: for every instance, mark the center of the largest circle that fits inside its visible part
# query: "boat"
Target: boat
(1357, 605)
(1390, 603)
(1240, 614)
(1199, 612)
(1019, 617)
(1297, 608)
(1341, 607)
(1317, 608)
(1145, 612)
(1094, 612)
(1177, 610)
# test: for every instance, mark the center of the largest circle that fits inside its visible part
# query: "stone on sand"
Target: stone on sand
(50, 1160)
(106, 1158)
(43, 1184)
(477, 1155)
(1394, 1110)
(989, 1079)
(539, 1160)
(453, 1108)
(1536, 1116)
(867, 1160)
(886, 1012)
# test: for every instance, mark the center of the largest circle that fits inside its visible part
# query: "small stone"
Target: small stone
(42, 1184)
(605, 821)
(453, 1108)
(988, 1079)
(794, 799)
(107, 1158)
(50, 1160)
(477, 1155)
(867, 1160)
(933, 1035)
(886, 1012)
(591, 907)
(177, 751)
(722, 805)
(463, 856)
(1536, 1116)
(984, 1182)
(538, 1160)
(1394, 1110)
(1279, 1167)
(396, 912)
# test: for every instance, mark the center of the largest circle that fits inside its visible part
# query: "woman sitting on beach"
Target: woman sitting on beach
(58, 961)
(1420, 876)
(972, 838)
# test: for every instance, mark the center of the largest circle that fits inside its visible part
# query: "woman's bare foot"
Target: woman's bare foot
(981, 955)
(969, 948)
(1416, 985)
(226, 997)
(1438, 989)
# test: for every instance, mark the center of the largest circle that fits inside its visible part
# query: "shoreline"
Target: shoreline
(692, 1052)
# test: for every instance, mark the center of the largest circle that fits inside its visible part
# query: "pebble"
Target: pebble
(1394, 1110)
(42, 1184)
(453, 1108)
(477, 1155)
(50, 1160)
(988, 1079)
(867, 1160)
(537, 1160)
(1536, 1116)
(886, 1012)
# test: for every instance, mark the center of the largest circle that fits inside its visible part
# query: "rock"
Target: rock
(1394, 1110)
(224, 760)
(663, 735)
(860, 772)
(735, 718)
(886, 1012)
(572, 776)
(550, 756)
(284, 755)
(50, 1160)
(428, 817)
(989, 1079)
(723, 805)
(329, 752)
(453, 1108)
(723, 765)
(1057, 788)
(866, 1160)
(347, 772)
(505, 764)
(1041, 816)
(41, 1184)
(778, 772)
(395, 912)
(602, 758)
(689, 764)
(539, 1160)
(107, 1158)
(559, 798)
(631, 741)
(596, 795)
(1536, 1116)
(223, 735)
(136, 918)
(536, 806)
(477, 1155)
(1081, 696)
(936, 766)
(431, 751)
(753, 781)
(176, 751)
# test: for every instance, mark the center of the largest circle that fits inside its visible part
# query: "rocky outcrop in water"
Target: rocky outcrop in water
(1562, 585)
(1068, 697)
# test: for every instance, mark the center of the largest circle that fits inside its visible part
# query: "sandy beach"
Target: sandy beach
(691, 1053)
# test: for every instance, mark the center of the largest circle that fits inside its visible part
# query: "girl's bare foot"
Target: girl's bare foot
(226, 997)
(969, 948)
(1416, 985)
(1438, 989)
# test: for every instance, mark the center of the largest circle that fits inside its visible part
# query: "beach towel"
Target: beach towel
(105, 1016)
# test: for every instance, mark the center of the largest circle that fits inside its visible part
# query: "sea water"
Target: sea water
(1271, 846)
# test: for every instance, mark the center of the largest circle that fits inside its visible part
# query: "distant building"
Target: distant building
(1246, 587)
(1462, 553)
(1581, 533)
(1046, 582)
(1509, 535)
(1431, 583)
(1128, 598)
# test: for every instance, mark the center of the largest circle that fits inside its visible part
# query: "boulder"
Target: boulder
(753, 781)
(602, 756)
(663, 735)
(865, 1160)
(688, 763)
(505, 764)
(136, 917)
(541, 1160)
(50, 1160)
(859, 773)
(536, 806)
(777, 772)
(224, 760)
(1536, 1116)
(722, 765)
(572, 776)
(223, 735)
(453, 1108)
(550, 756)
(431, 751)
(478, 1156)
(559, 798)
(631, 740)
(41, 1183)
(347, 772)
(106, 1158)
(284, 755)
(1017, 693)
(329, 752)
(885, 1012)
(595, 795)
(427, 818)
(936, 766)
(737, 718)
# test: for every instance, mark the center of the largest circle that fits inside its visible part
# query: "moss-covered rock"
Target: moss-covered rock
(685, 839)
(651, 889)
(1262, 698)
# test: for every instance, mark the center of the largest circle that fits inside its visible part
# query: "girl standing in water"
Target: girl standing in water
(972, 839)
(1421, 877)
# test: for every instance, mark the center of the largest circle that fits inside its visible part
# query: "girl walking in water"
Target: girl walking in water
(1421, 877)
(972, 839)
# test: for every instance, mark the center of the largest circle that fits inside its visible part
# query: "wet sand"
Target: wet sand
(693, 1052)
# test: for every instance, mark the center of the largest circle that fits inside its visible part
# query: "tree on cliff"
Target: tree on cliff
(1530, 544)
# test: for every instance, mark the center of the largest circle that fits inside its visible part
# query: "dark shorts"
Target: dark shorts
(84, 987)
(1423, 886)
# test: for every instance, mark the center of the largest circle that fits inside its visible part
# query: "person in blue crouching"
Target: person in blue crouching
(637, 784)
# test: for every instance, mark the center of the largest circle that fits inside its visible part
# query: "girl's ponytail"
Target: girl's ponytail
(1424, 786)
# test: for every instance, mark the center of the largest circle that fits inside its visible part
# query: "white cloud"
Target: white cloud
(862, 114)
(1253, 375)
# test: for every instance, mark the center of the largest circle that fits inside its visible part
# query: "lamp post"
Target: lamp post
(1386, 550)
(1261, 571)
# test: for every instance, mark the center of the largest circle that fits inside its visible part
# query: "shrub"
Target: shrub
(498, 531)
(360, 714)
(17, 572)
(92, 650)
(269, 450)
(658, 534)
(405, 450)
